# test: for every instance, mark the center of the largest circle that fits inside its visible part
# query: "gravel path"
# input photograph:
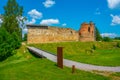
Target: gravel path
(78, 65)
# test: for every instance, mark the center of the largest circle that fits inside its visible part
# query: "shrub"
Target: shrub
(107, 39)
(94, 47)
(16, 40)
(118, 44)
(8, 44)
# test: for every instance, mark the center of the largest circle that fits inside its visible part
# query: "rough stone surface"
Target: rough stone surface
(51, 34)
(87, 32)
(47, 34)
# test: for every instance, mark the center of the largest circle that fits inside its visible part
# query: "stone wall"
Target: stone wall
(45, 34)
(87, 32)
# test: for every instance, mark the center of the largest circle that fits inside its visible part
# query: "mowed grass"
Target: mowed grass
(105, 54)
(24, 66)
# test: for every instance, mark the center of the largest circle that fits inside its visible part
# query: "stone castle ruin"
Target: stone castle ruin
(47, 34)
(87, 32)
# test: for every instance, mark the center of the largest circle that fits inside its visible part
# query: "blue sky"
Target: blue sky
(71, 13)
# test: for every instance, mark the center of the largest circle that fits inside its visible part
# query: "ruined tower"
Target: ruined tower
(87, 32)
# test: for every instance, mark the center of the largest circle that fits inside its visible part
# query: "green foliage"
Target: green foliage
(12, 8)
(117, 38)
(107, 39)
(6, 44)
(10, 32)
(25, 37)
(118, 44)
(94, 47)
(98, 36)
(11, 17)
(16, 40)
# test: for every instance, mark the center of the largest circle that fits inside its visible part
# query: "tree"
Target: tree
(25, 37)
(107, 39)
(98, 36)
(117, 38)
(11, 17)
(118, 44)
(7, 47)
(10, 31)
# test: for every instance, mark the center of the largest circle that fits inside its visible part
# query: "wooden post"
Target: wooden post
(60, 57)
(73, 69)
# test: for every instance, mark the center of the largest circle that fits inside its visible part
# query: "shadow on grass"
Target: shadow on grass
(33, 53)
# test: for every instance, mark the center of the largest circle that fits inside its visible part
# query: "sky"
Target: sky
(105, 14)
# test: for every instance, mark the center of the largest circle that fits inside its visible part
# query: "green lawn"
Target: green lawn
(24, 66)
(116, 74)
(105, 54)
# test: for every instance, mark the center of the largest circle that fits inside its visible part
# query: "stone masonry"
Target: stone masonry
(48, 34)
(87, 32)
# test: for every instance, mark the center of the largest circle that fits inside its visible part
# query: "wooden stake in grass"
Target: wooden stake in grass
(60, 57)
(73, 69)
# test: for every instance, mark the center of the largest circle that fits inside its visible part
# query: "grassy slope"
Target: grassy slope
(23, 66)
(106, 53)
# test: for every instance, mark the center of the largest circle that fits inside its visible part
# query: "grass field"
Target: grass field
(24, 66)
(105, 53)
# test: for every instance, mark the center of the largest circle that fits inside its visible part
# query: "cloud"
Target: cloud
(35, 14)
(25, 30)
(115, 19)
(48, 3)
(64, 24)
(97, 12)
(1, 21)
(113, 4)
(112, 35)
(32, 21)
(49, 21)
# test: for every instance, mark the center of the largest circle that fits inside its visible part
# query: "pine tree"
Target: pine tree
(98, 36)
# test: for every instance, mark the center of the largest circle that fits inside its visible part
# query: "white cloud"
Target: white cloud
(31, 22)
(64, 24)
(49, 3)
(112, 35)
(115, 19)
(49, 21)
(35, 14)
(113, 4)
(25, 30)
(97, 12)
(1, 21)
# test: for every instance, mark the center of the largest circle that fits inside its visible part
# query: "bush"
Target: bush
(8, 44)
(107, 39)
(94, 47)
(16, 40)
(118, 44)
